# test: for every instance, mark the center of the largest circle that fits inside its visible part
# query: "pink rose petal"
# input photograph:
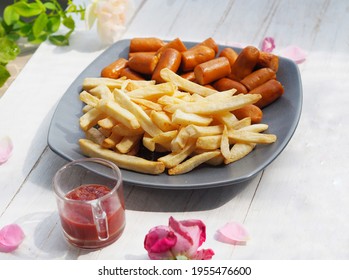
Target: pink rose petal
(294, 53)
(11, 236)
(6, 148)
(233, 233)
(268, 44)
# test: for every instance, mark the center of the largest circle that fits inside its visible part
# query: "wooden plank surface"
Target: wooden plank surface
(295, 209)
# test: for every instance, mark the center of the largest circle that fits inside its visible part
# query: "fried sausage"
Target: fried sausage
(212, 70)
(249, 111)
(268, 60)
(226, 84)
(176, 44)
(195, 56)
(143, 63)
(209, 42)
(270, 91)
(133, 53)
(113, 69)
(129, 74)
(244, 63)
(258, 77)
(170, 59)
(150, 44)
(230, 54)
(189, 76)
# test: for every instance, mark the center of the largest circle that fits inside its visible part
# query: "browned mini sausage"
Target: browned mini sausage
(176, 44)
(268, 60)
(170, 59)
(113, 69)
(212, 70)
(133, 53)
(150, 44)
(244, 63)
(129, 74)
(189, 76)
(209, 42)
(270, 91)
(143, 63)
(258, 77)
(230, 54)
(195, 56)
(226, 84)
(249, 111)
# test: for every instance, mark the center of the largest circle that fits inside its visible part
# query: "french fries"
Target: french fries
(186, 122)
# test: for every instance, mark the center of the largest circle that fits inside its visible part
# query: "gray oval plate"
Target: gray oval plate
(282, 117)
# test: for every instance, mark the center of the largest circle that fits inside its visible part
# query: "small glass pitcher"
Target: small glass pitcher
(90, 200)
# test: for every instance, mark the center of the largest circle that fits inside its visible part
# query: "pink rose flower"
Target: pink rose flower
(11, 236)
(268, 44)
(179, 240)
(6, 148)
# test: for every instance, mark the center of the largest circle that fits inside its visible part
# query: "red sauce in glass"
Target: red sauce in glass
(78, 222)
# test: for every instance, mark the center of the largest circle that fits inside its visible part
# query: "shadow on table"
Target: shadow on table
(162, 200)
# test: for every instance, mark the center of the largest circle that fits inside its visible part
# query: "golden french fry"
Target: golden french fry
(105, 131)
(127, 143)
(95, 135)
(102, 92)
(241, 136)
(222, 105)
(180, 140)
(107, 123)
(192, 162)
(147, 104)
(111, 141)
(90, 83)
(143, 119)
(215, 161)
(175, 158)
(163, 121)
(131, 85)
(226, 118)
(199, 131)
(88, 98)
(153, 91)
(225, 148)
(239, 151)
(184, 84)
(118, 113)
(182, 118)
(210, 142)
(148, 142)
(258, 127)
(87, 108)
(129, 162)
(123, 130)
(91, 118)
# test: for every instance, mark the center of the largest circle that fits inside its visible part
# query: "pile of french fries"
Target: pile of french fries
(186, 124)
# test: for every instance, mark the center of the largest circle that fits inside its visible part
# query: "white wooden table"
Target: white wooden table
(297, 208)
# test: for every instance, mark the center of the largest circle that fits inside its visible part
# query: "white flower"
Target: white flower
(111, 17)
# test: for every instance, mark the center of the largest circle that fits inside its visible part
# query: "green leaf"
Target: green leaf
(50, 6)
(53, 24)
(4, 75)
(2, 30)
(59, 40)
(25, 30)
(39, 25)
(8, 50)
(10, 15)
(28, 10)
(69, 22)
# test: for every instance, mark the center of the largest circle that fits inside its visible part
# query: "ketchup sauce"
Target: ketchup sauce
(77, 218)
